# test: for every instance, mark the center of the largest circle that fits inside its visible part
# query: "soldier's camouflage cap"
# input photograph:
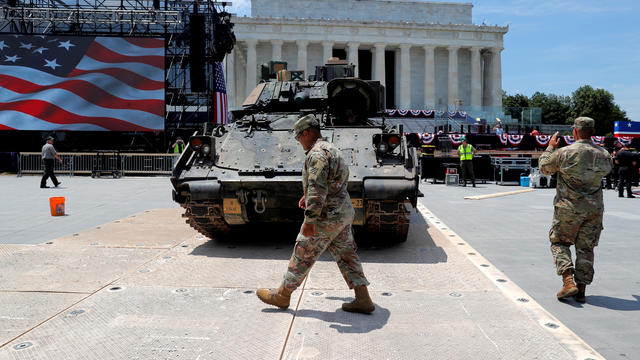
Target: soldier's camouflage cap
(584, 122)
(305, 122)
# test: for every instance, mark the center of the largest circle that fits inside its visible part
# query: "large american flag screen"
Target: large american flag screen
(50, 82)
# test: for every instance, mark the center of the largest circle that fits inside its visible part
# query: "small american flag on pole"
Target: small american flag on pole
(220, 105)
(50, 82)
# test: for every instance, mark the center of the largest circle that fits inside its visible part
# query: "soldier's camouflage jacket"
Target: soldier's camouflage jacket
(580, 169)
(324, 181)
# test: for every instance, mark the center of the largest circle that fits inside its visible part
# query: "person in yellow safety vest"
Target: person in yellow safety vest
(178, 146)
(466, 152)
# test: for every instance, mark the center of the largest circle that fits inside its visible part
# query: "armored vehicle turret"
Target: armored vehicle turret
(249, 172)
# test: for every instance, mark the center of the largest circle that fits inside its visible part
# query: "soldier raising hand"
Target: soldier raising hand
(577, 218)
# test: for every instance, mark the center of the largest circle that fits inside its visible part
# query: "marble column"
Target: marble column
(353, 55)
(230, 73)
(276, 50)
(476, 77)
(497, 77)
(380, 72)
(429, 78)
(252, 66)
(327, 51)
(405, 77)
(487, 83)
(453, 77)
(302, 56)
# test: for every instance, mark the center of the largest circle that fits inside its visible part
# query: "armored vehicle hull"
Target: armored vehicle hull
(249, 172)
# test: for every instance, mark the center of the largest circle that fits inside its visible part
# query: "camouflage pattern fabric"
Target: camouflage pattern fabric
(584, 232)
(337, 237)
(328, 206)
(324, 182)
(578, 205)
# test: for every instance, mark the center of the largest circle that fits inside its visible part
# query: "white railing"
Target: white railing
(90, 163)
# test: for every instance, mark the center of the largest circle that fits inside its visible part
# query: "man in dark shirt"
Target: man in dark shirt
(626, 160)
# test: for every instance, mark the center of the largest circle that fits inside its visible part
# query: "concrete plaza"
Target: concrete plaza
(125, 278)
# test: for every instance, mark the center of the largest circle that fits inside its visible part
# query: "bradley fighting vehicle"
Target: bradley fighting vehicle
(249, 172)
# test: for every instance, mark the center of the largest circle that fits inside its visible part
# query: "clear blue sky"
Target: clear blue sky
(556, 46)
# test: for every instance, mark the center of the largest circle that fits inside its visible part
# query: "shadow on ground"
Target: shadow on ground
(276, 242)
(606, 302)
(356, 324)
(614, 303)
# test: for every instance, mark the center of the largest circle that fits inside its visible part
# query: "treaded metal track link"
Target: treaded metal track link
(388, 218)
(207, 218)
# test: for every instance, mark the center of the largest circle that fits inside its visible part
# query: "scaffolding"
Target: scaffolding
(169, 20)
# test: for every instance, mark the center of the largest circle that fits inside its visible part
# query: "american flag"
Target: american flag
(626, 129)
(50, 82)
(220, 105)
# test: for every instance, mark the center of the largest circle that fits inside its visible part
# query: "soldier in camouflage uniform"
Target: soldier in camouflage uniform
(577, 218)
(328, 215)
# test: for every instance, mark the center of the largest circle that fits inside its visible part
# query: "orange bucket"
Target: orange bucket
(57, 206)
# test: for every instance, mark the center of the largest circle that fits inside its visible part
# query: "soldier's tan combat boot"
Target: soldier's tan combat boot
(580, 296)
(280, 297)
(362, 303)
(569, 288)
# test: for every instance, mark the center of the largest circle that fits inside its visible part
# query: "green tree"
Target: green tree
(597, 104)
(513, 104)
(555, 108)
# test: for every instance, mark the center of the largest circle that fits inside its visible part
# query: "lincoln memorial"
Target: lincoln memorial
(429, 55)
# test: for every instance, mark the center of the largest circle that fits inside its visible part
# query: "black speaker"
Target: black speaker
(196, 53)
(224, 39)
(13, 3)
(156, 4)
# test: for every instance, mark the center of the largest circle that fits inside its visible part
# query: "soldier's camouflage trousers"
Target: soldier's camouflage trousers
(579, 229)
(337, 237)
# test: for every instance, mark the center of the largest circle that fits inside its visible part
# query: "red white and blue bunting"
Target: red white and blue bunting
(420, 113)
(427, 138)
(625, 140)
(569, 139)
(543, 140)
(456, 139)
(598, 139)
(503, 139)
(515, 140)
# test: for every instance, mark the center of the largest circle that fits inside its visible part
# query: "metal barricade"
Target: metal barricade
(148, 164)
(83, 163)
